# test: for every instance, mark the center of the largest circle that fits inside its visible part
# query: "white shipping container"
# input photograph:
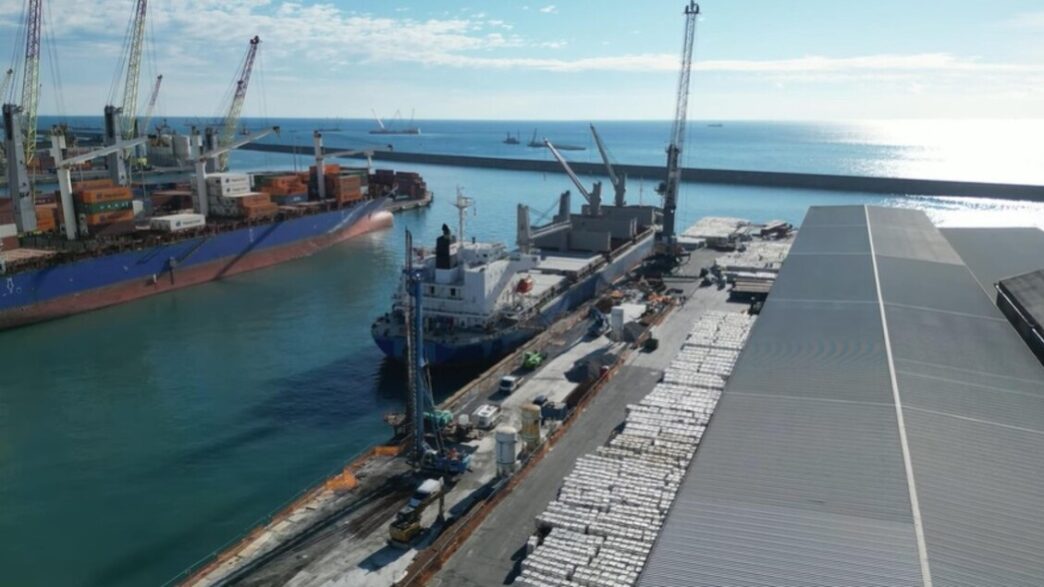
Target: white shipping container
(178, 222)
(8, 230)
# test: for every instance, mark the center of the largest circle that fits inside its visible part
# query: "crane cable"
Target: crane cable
(54, 66)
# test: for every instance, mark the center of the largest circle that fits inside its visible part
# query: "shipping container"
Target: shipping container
(109, 217)
(178, 222)
(99, 195)
(90, 184)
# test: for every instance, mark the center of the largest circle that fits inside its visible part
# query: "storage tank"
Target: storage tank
(531, 425)
(507, 449)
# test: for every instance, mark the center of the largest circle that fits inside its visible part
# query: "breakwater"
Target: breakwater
(775, 179)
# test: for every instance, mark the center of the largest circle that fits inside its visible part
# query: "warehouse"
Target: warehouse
(883, 426)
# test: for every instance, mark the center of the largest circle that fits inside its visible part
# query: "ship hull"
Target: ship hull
(483, 349)
(90, 284)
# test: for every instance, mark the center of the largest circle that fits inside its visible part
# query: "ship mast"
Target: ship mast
(462, 204)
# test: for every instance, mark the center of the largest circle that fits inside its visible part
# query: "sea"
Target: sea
(136, 441)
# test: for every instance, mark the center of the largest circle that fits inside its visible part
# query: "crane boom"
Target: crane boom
(670, 194)
(8, 76)
(593, 197)
(31, 75)
(619, 181)
(136, 42)
(228, 131)
(143, 126)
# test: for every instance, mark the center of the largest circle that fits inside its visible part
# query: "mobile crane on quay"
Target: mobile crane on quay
(667, 245)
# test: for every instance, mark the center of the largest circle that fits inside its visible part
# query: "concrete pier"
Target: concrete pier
(811, 181)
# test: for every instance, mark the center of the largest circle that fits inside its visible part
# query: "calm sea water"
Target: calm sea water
(136, 440)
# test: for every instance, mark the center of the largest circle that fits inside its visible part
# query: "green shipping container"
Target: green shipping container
(104, 207)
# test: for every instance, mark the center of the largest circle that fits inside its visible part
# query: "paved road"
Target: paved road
(491, 555)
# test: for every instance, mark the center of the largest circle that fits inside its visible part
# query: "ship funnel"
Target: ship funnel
(443, 259)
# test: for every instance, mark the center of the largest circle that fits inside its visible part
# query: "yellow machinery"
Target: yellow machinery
(407, 525)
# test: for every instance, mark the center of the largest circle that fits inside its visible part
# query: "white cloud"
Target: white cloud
(549, 9)
(554, 44)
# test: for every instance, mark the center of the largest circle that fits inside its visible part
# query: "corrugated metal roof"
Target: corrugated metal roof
(995, 253)
(800, 479)
(1027, 291)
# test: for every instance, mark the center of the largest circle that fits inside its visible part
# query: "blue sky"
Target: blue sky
(564, 59)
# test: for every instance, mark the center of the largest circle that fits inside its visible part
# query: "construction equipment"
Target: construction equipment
(407, 524)
(20, 123)
(532, 359)
(593, 197)
(321, 157)
(421, 404)
(202, 205)
(235, 109)
(669, 189)
(619, 181)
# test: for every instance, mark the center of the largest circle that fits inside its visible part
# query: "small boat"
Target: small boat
(511, 140)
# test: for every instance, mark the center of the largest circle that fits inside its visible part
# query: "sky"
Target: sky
(555, 59)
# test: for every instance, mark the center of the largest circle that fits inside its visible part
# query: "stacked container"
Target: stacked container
(230, 196)
(283, 190)
(103, 208)
(170, 201)
(610, 508)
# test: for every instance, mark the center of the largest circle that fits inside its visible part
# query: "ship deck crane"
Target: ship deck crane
(593, 197)
(202, 203)
(235, 110)
(64, 165)
(619, 181)
(321, 157)
(668, 236)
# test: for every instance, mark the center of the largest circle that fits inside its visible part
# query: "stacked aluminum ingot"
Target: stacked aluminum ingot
(610, 508)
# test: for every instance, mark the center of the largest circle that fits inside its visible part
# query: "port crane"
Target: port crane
(619, 181)
(133, 48)
(321, 157)
(20, 123)
(593, 197)
(63, 166)
(235, 110)
(669, 189)
(202, 204)
(146, 119)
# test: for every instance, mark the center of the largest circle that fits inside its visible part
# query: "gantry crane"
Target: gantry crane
(619, 181)
(228, 129)
(668, 237)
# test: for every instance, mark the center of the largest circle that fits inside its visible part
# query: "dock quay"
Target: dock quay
(336, 532)
(771, 179)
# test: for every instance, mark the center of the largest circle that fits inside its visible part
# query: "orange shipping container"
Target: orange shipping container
(254, 199)
(328, 169)
(102, 195)
(91, 184)
(110, 217)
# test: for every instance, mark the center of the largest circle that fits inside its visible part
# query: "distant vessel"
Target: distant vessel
(715, 125)
(512, 140)
(538, 144)
(482, 301)
(393, 128)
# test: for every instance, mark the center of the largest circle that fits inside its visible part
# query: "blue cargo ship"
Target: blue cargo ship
(39, 285)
